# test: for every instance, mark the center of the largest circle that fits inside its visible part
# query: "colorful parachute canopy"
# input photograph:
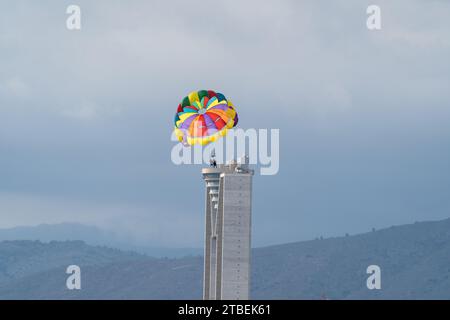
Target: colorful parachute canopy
(204, 116)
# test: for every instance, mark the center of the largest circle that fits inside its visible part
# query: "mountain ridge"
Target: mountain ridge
(414, 261)
(92, 235)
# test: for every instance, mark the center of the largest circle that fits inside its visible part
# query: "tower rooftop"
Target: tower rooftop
(232, 167)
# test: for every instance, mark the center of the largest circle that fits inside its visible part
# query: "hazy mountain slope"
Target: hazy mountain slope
(59, 232)
(19, 259)
(336, 268)
(145, 279)
(414, 259)
(427, 279)
(92, 236)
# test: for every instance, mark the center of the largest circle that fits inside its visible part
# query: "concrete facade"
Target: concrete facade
(227, 231)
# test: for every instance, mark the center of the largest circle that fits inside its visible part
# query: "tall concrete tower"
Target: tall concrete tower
(227, 231)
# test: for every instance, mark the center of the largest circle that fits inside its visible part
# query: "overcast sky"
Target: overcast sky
(86, 116)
